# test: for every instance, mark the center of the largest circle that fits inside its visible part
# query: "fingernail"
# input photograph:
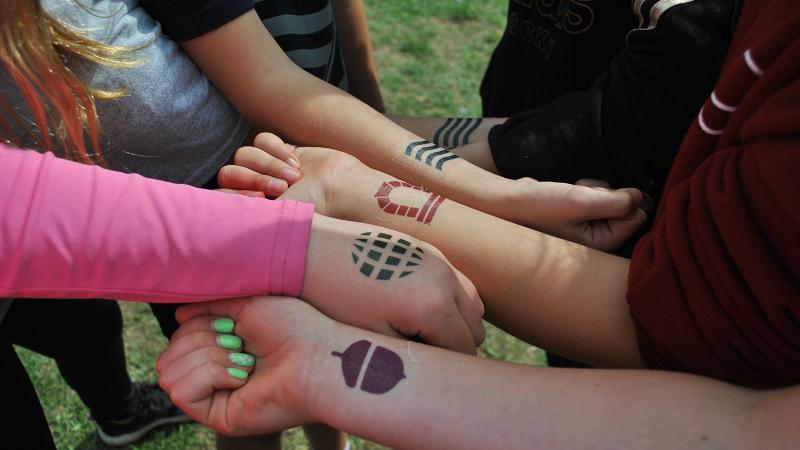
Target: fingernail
(242, 359)
(277, 185)
(289, 174)
(229, 341)
(293, 162)
(239, 374)
(223, 325)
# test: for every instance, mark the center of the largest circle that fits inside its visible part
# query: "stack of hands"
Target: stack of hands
(248, 366)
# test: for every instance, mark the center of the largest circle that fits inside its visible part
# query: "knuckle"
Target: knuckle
(242, 155)
(178, 394)
(274, 165)
(224, 175)
(259, 181)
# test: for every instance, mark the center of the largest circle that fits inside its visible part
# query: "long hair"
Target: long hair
(34, 48)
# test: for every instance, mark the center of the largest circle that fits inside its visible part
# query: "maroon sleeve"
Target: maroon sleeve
(714, 289)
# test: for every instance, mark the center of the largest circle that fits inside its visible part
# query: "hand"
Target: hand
(281, 337)
(434, 303)
(588, 214)
(388, 282)
(256, 171)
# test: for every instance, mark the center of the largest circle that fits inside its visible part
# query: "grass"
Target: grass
(430, 56)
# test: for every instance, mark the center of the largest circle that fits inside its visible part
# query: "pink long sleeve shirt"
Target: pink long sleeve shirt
(70, 230)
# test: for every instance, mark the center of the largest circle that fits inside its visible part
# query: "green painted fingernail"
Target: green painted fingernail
(242, 359)
(223, 325)
(239, 374)
(229, 341)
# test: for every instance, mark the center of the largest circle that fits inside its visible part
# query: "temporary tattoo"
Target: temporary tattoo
(382, 256)
(433, 155)
(424, 213)
(455, 132)
(384, 369)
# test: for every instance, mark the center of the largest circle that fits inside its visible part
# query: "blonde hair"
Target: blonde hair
(34, 48)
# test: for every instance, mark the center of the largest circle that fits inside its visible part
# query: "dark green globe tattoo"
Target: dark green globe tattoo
(383, 257)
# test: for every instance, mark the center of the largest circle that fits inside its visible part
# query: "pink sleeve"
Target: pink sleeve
(76, 231)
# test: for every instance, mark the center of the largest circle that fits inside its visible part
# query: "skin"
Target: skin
(351, 26)
(435, 303)
(274, 94)
(550, 280)
(427, 126)
(473, 402)
(476, 150)
(585, 213)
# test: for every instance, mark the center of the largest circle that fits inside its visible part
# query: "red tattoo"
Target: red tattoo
(424, 214)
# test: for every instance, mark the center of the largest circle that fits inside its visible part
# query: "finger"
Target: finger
(198, 339)
(262, 162)
(204, 392)
(231, 307)
(242, 192)
(218, 324)
(179, 367)
(471, 307)
(275, 146)
(597, 204)
(592, 182)
(622, 229)
(243, 178)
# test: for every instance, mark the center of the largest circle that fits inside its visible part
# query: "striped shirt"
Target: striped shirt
(306, 31)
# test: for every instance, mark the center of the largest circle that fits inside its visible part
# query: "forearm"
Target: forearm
(351, 25)
(77, 231)
(465, 137)
(552, 293)
(449, 132)
(276, 95)
(445, 400)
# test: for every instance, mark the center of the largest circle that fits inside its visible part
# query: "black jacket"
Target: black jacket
(626, 128)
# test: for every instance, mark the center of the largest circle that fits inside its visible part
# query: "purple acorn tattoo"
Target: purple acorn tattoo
(383, 371)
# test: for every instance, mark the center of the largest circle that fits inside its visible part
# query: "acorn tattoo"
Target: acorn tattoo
(383, 371)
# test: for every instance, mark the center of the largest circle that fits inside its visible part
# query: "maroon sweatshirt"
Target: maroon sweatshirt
(714, 289)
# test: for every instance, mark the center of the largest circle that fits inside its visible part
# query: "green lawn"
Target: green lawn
(430, 56)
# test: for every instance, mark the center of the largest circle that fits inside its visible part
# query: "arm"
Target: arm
(274, 94)
(76, 231)
(449, 132)
(422, 397)
(532, 283)
(351, 26)
(466, 137)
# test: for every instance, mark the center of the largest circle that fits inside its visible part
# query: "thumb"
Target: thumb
(228, 308)
(620, 230)
(606, 204)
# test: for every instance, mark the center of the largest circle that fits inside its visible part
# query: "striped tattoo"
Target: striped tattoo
(456, 131)
(430, 154)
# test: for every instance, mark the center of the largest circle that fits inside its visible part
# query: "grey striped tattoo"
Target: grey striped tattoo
(430, 154)
(456, 131)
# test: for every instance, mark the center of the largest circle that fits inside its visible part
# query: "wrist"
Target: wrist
(323, 397)
(328, 240)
